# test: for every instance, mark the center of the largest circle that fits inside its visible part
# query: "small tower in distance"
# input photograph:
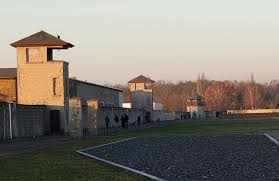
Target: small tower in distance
(141, 93)
(195, 105)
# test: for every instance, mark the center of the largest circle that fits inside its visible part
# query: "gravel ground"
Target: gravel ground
(246, 157)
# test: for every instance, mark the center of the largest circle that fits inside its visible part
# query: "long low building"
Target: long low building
(107, 96)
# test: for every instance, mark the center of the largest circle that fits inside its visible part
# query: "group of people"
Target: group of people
(124, 120)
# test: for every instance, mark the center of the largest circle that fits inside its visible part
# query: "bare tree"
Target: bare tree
(253, 94)
(162, 92)
(202, 84)
(221, 95)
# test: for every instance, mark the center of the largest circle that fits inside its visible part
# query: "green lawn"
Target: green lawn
(63, 163)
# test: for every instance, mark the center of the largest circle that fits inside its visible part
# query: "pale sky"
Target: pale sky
(117, 40)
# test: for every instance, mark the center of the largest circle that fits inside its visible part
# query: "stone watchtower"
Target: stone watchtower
(141, 93)
(195, 105)
(42, 80)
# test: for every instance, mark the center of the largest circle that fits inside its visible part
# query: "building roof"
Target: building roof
(42, 39)
(89, 83)
(8, 73)
(141, 79)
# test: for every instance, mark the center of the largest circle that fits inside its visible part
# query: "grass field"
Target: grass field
(61, 162)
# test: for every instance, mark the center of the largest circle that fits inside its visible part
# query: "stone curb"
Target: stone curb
(272, 139)
(118, 165)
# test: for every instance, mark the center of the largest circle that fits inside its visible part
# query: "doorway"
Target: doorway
(54, 121)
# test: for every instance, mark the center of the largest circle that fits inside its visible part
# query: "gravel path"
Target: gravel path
(246, 157)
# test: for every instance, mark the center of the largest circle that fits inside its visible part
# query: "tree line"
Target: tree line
(218, 95)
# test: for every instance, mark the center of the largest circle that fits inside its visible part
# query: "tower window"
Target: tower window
(49, 54)
(27, 54)
(54, 87)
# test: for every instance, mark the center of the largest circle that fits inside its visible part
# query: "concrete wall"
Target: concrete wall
(83, 118)
(8, 88)
(162, 116)
(196, 111)
(253, 111)
(112, 112)
(27, 121)
(32, 121)
(75, 117)
(156, 106)
(36, 84)
(169, 116)
(4, 121)
(142, 100)
(182, 115)
(87, 119)
(210, 114)
(92, 123)
(106, 96)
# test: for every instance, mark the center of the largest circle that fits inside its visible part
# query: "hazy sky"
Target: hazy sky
(117, 40)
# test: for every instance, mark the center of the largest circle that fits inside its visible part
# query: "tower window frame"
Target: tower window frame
(54, 86)
(27, 55)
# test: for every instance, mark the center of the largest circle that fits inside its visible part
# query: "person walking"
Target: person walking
(123, 121)
(126, 121)
(107, 123)
(116, 120)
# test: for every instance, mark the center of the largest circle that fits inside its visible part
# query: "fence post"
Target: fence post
(14, 120)
(4, 120)
(10, 119)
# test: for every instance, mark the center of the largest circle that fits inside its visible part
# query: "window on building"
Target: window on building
(54, 87)
(148, 86)
(27, 54)
(49, 54)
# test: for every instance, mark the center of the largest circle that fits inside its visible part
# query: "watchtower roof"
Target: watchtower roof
(42, 39)
(141, 79)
